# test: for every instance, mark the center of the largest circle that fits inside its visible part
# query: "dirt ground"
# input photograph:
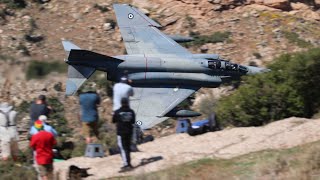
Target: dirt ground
(179, 148)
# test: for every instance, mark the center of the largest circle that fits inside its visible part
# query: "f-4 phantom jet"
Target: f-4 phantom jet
(163, 73)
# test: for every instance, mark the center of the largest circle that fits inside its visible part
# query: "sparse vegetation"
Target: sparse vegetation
(208, 102)
(38, 69)
(33, 25)
(257, 55)
(57, 117)
(101, 8)
(290, 89)
(5, 57)
(14, 4)
(204, 39)
(295, 39)
(30, 36)
(16, 171)
(191, 21)
(24, 50)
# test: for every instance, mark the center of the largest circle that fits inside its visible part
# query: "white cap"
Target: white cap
(43, 118)
(124, 78)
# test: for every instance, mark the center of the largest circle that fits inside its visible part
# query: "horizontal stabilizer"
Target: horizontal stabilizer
(81, 57)
(77, 75)
(67, 45)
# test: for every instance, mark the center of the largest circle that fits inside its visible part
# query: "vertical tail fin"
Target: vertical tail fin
(128, 16)
(77, 74)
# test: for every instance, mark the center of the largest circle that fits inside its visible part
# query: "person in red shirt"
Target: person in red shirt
(42, 143)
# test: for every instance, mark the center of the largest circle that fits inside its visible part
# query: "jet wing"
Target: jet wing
(140, 34)
(152, 104)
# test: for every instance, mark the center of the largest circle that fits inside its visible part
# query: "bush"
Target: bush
(295, 39)
(290, 89)
(57, 117)
(257, 55)
(101, 8)
(14, 4)
(204, 39)
(38, 70)
(191, 21)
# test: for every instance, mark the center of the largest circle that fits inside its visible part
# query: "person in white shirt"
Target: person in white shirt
(8, 132)
(121, 90)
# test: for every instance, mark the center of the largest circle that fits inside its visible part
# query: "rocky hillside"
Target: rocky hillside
(180, 148)
(258, 30)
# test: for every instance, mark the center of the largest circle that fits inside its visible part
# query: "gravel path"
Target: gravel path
(180, 148)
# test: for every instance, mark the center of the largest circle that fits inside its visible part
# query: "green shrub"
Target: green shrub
(14, 4)
(57, 117)
(191, 21)
(204, 39)
(38, 69)
(257, 55)
(101, 8)
(292, 88)
(295, 39)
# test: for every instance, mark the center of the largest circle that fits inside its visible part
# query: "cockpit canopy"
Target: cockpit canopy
(220, 64)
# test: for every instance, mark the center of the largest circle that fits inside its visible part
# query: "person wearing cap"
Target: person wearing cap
(8, 132)
(121, 90)
(42, 143)
(39, 107)
(124, 90)
(124, 118)
(89, 101)
(46, 127)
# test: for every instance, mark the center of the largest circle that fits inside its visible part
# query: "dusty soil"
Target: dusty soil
(180, 148)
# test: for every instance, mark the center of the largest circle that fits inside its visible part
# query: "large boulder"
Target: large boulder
(317, 3)
(278, 4)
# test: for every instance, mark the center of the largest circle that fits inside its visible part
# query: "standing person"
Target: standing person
(39, 107)
(46, 127)
(89, 100)
(124, 119)
(121, 90)
(8, 132)
(42, 143)
(34, 130)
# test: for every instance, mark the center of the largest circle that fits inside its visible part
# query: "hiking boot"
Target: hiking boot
(126, 168)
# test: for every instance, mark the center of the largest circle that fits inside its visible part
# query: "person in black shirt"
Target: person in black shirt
(124, 119)
(39, 107)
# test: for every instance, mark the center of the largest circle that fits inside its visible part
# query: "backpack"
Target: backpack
(6, 115)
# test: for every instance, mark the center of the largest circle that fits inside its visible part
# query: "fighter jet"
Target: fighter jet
(163, 73)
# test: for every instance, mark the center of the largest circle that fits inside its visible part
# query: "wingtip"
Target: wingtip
(68, 45)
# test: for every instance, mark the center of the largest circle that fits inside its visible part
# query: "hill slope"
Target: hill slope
(181, 148)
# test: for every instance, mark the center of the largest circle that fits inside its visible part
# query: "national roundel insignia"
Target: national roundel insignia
(130, 16)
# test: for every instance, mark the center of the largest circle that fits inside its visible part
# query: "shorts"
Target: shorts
(9, 148)
(90, 129)
(45, 169)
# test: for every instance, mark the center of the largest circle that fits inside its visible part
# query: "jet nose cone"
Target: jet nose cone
(257, 70)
